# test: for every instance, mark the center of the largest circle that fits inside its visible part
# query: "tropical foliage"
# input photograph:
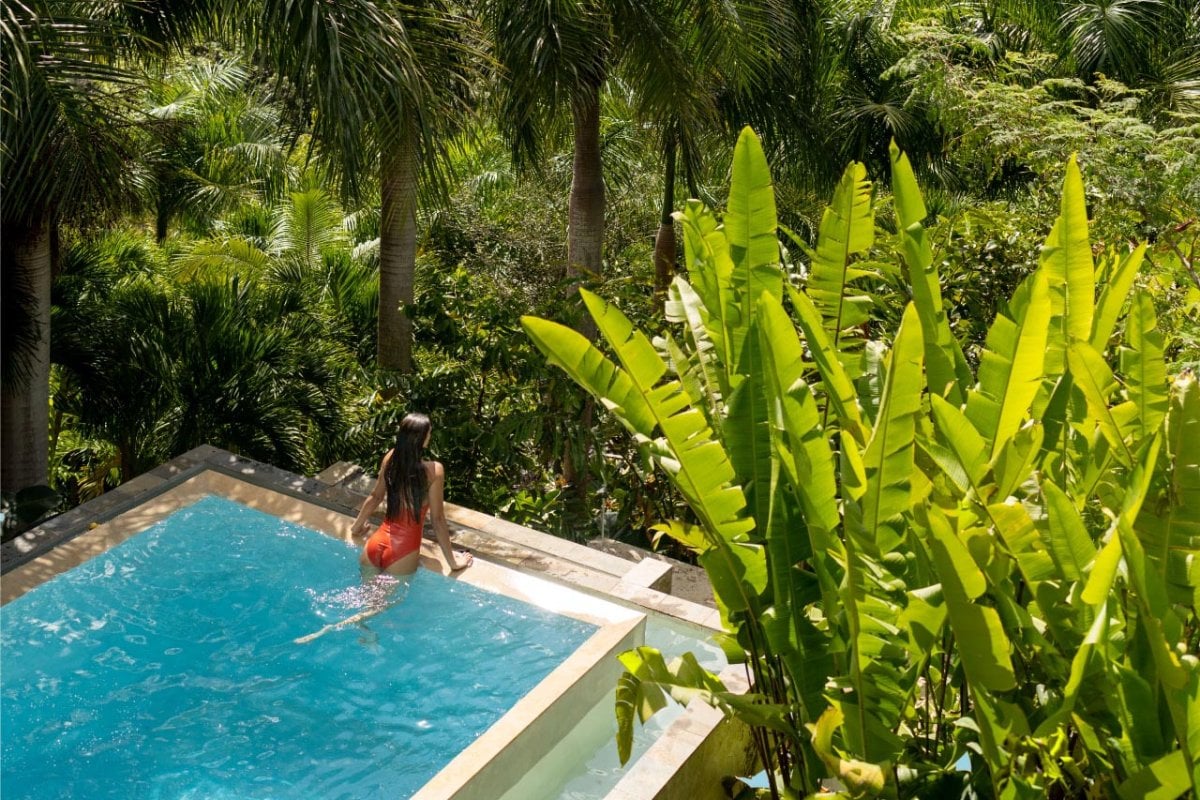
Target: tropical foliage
(918, 561)
(933, 452)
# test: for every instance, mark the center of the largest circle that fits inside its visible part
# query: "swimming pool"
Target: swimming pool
(166, 667)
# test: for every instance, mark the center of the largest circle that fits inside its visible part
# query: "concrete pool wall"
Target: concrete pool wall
(686, 762)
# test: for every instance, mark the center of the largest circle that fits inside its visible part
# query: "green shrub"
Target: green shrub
(915, 560)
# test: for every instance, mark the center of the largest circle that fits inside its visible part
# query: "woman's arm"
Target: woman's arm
(363, 521)
(437, 515)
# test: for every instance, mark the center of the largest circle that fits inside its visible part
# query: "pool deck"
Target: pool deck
(564, 576)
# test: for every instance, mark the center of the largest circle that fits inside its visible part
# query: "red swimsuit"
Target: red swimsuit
(395, 539)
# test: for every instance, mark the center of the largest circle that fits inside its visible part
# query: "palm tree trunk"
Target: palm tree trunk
(25, 401)
(398, 250)
(585, 231)
(162, 221)
(664, 241)
(689, 175)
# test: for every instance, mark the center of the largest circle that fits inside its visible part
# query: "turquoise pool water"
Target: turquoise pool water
(166, 668)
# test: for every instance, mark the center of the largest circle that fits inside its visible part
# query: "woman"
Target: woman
(412, 487)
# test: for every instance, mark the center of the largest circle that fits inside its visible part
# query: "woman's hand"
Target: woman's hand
(462, 560)
(356, 529)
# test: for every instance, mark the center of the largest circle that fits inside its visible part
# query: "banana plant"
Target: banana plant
(999, 566)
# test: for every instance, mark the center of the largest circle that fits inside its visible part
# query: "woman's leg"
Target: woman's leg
(384, 592)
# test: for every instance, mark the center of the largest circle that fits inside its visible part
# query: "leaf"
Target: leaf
(878, 518)
(574, 354)
(1096, 381)
(687, 370)
(1113, 296)
(799, 446)
(1014, 464)
(1144, 368)
(982, 644)
(1165, 779)
(861, 778)
(923, 618)
(648, 680)
(966, 446)
(1070, 545)
(748, 439)
(694, 462)
(1104, 572)
(222, 258)
(1067, 261)
(1169, 522)
(1149, 592)
(1010, 369)
(646, 683)
(1080, 660)
(687, 307)
(947, 369)
(839, 391)
(749, 227)
(1144, 730)
(810, 466)
(688, 535)
(1023, 542)
(706, 253)
(847, 229)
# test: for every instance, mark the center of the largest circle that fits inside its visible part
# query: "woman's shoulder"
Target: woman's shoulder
(434, 469)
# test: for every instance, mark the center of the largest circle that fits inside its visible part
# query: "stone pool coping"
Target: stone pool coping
(697, 746)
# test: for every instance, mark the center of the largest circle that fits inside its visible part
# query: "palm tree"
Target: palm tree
(1146, 44)
(741, 57)
(63, 145)
(66, 125)
(387, 85)
(157, 363)
(682, 61)
(560, 54)
(215, 140)
(1152, 44)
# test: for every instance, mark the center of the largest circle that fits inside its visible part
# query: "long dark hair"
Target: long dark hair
(406, 478)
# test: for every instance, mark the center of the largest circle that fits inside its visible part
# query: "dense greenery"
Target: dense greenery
(916, 561)
(207, 205)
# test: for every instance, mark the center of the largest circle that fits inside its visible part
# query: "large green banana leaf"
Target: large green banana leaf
(1069, 542)
(809, 463)
(1093, 377)
(1023, 542)
(693, 460)
(748, 440)
(966, 454)
(749, 225)
(574, 354)
(945, 364)
(877, 519)
(648, 680)
(1070, 271)
(839, 389)
(706, 252)
(847, 230)
(1010, 367)
(982, 644)
(806, 461)
(1119, 281)
(1144, 367)
(877, 493)
(1169, 523)
(684, 305)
